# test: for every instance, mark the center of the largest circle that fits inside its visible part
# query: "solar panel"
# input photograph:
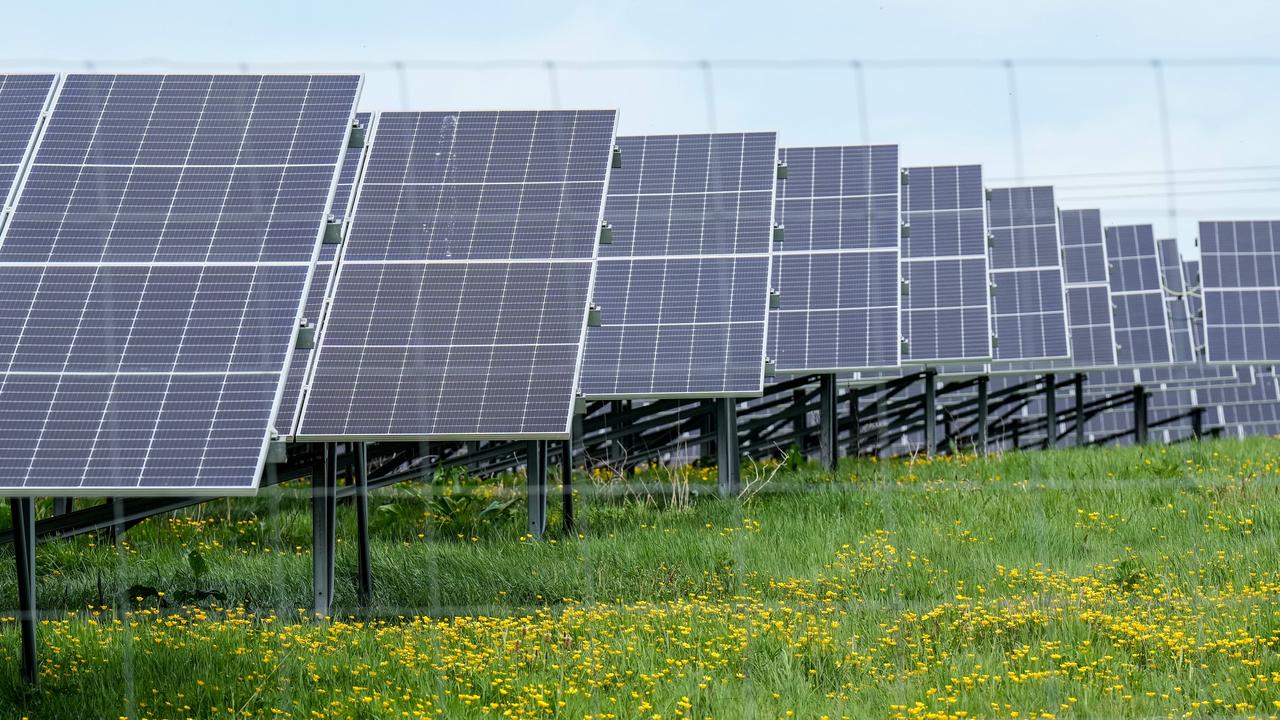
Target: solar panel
(1240, 277)
(838, 268)
(684, 287)
(22, 100)
(460, 300)
(1028, 306)
(318, 291)
(946, 313)
(1141, 324)
(1175, 299)
(1088, 290)
(154, 270)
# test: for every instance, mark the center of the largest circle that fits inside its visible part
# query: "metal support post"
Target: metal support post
(63, 505)
(727, 460)
(1197, 423)
(1139, 414)
(324, 496)
(1079, 389)
(829, 423)
(709, 429)
(23, 513)
(1016, 424)
(566, 473)
(364, 564)
(1051, 410)
(801, 422)
(536, 481)
(855, 419)
(983, 384)
(930, 412)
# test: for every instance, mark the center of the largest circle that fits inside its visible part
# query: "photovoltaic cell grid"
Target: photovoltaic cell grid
(153, 274)
(1141, 323)
(1175, 299)
(684, 286)
(1240, 280)
(460, 301)
(22, 99)
(838, 267)
(1088, 289)
(946, 313)
(1028, 308)
(318, 291)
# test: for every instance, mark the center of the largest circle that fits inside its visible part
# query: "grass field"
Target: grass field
(1116, 583)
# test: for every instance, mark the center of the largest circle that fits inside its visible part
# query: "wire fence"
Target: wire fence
(1075, 122)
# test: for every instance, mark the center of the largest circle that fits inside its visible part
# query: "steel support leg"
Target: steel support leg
(1051, 410)
(930, 412)
(364, 564)
(324, 495)
(566, 474)
(1197, 423)
(855, 423)
(829, 425)
(536, 481)
(1017, 433)
(708, 450)
(63, 505)
(1140, 414)
(1079, 389)
(983, 385)
(801, 423)
(23, 513)
(727, 460)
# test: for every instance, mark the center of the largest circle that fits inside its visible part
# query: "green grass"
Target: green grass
(1096, 583)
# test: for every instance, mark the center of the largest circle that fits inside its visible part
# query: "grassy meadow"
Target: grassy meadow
(1139, 582)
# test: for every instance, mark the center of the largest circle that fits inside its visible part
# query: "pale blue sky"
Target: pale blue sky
(1074, 119)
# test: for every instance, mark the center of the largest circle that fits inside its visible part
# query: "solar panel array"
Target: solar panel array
(684, 286)
(460, 300)
(23, 98)
(1028, 310)
(153, 270)
(1141, 324)
(1240, 277)
(946, 313)
(838, 268)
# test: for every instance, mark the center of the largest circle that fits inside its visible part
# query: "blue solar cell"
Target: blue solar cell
(1028, 310)
(1141, 324)
(152, 275)
(946, 314)
(22, 99)
(838, 268)
(460, 301)
(1240, 280)
(684, 286)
